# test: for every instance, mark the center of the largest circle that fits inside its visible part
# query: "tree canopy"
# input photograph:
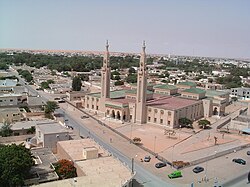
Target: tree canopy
(185, 122)
(15, 163)
(6, 130)
(76, 83)
(203, 123)
(65, 169)
(50, 107)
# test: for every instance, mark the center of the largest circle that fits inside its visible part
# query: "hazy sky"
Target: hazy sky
(184, 27)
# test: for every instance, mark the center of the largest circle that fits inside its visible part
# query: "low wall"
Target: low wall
(15, 138)
(219, 154)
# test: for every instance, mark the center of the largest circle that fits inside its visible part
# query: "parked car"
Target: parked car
(175, 174)
(239, 161)
(147, 159)
(248, 153)
(70, 127)
(160, 164)
(83, 117)
(198, 169)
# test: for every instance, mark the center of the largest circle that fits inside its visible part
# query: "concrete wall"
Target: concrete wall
(50, 140)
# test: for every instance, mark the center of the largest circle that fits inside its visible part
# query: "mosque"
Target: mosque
(163, 105)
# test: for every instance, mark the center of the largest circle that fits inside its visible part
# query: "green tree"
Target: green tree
(76, 83)
(44, 85)
(185, 122)
(204, 123)
(6, 130)
(131, 78)
(50, 107)
(119, 83)
(15, 163)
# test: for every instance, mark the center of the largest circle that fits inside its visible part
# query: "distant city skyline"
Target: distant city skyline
(200, 28)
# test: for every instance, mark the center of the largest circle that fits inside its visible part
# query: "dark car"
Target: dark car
(147, 159)
(198, 169)
(160, 164)
(239, 161)
(248, 153)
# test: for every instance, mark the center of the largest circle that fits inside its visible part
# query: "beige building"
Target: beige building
(48, 134)
(10, 115)
(95, 166)
(193, 93)
(166, 89)
(185, 85)
(156, 106)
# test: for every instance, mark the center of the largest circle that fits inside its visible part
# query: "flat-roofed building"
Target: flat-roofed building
(95, 166)
(11, 99)
(48, 134)
(185, 85)
(193, 93)
(10, 115)
(166, 89)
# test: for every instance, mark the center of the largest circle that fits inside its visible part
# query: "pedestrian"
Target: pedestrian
(223, 135)
(110, 140)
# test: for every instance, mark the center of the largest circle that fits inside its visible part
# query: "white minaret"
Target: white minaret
(141, 89)
(105, 79)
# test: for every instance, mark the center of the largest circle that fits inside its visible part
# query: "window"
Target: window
(92, 106)
(169, 113)
(1, 100)
(149, 118)
(97, 107)
(162, 111)
(87, 98)
(87, 105)
(168, 122)
(155, 110)
(161, 121)
(97, 100)
(93, 99)
(149, 109)
(155, 120)
(11, 100)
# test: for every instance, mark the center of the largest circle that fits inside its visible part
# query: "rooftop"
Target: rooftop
(43, 158)
(21, 125)
(165, 86)
(187, 83)
(194, 90)
(212, 93)
(171, 103)
(113, 94)
(74, 148)
(105, 172)
(50, 128)
(134, 91)
(8, 82)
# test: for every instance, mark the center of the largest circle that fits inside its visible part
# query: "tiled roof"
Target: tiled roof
(113, 94)
(171, 103)
(187, 83)
(213, 93)
(134, 91)
(165, 86)
(194, 90)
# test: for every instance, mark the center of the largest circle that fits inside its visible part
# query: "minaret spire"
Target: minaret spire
(141, 88)
(107, 45)
(105, 79)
